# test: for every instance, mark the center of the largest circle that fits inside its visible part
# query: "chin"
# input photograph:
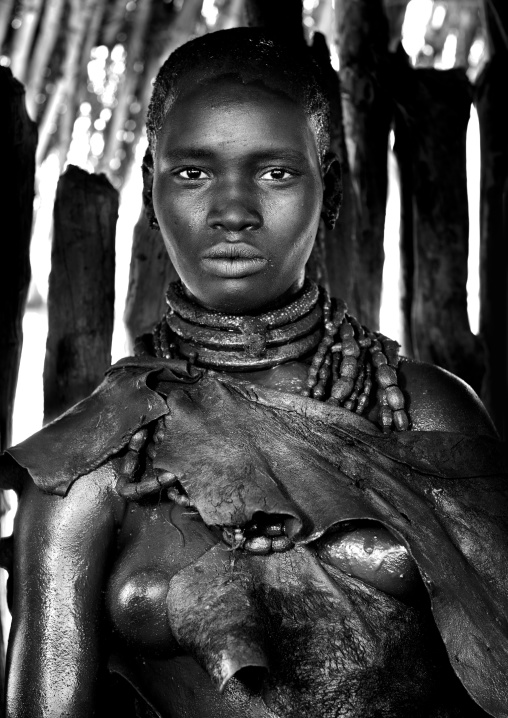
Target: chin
(236, 296)
(251, 294)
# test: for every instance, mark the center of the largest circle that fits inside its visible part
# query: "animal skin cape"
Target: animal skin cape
(242, 449)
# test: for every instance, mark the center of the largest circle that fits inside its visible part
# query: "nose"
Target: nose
(234, 208)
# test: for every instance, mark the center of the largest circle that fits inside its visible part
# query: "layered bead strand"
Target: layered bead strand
(385, 358)
(321, 365)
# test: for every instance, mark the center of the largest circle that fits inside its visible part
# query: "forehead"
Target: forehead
(227, 114)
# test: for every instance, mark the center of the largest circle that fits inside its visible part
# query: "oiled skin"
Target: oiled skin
(74, 556)
(67, 549)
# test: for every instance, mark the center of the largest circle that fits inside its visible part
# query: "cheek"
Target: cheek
(179, 214)
(296, 220)
(303, 207)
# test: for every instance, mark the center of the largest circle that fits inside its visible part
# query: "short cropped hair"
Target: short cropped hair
(248, 56)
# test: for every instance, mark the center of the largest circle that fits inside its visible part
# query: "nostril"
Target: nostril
(234, 217)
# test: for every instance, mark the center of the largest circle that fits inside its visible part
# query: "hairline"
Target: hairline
(175, 93)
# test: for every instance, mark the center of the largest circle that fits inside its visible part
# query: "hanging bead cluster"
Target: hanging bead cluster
(347, 361)
(138, 459)
(261, 537)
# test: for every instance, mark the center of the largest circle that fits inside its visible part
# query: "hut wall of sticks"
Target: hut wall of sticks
(403, 76)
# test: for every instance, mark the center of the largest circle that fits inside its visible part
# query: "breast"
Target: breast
(136, 604)
(369, 552)
(156, 540)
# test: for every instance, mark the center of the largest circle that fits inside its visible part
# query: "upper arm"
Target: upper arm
(439, 401)
(61, 551)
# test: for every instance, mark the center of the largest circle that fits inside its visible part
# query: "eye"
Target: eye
(276, 174)
(191, 173)
(373, 555)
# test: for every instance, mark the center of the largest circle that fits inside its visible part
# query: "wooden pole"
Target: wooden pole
(6, 8)
(81, 289)
(493, 118)
(79, 15)
(434, 106)
(18, 139)
(128, 82)
(403, 154)
(22, 45)
(45, 43)
(363, 47)
(150, 273)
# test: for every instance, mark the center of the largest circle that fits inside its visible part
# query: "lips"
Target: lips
(239, 250)
(233, 260)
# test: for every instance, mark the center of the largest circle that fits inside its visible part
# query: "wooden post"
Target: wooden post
(45, 44)
(403, 151)
(150, 273)
(363, 47)
(18, 140)
(435, 107)
(81, 289)
(493, 118)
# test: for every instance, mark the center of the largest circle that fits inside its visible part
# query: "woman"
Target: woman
(264, 513)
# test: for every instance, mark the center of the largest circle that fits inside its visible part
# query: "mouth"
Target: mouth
(233, 260)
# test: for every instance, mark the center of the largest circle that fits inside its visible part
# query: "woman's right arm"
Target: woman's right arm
(61, 554)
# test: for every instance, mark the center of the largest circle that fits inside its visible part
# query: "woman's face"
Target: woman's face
(237, 192)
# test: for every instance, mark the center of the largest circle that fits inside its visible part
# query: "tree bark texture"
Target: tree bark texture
(493, 117)
(434, 107)
(18, 140)
(81, 289)
(363, 47)
(150, 273)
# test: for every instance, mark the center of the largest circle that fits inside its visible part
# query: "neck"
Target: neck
(282, 300)
(231, 342)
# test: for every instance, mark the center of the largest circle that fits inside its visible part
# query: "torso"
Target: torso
(158, 539)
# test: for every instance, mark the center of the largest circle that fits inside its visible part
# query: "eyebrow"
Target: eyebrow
(181, 154)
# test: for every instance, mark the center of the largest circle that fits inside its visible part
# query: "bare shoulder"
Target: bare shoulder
(88, 502)
(440, 401)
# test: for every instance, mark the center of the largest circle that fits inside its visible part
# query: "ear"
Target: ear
(147, 169)
(332, 191)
